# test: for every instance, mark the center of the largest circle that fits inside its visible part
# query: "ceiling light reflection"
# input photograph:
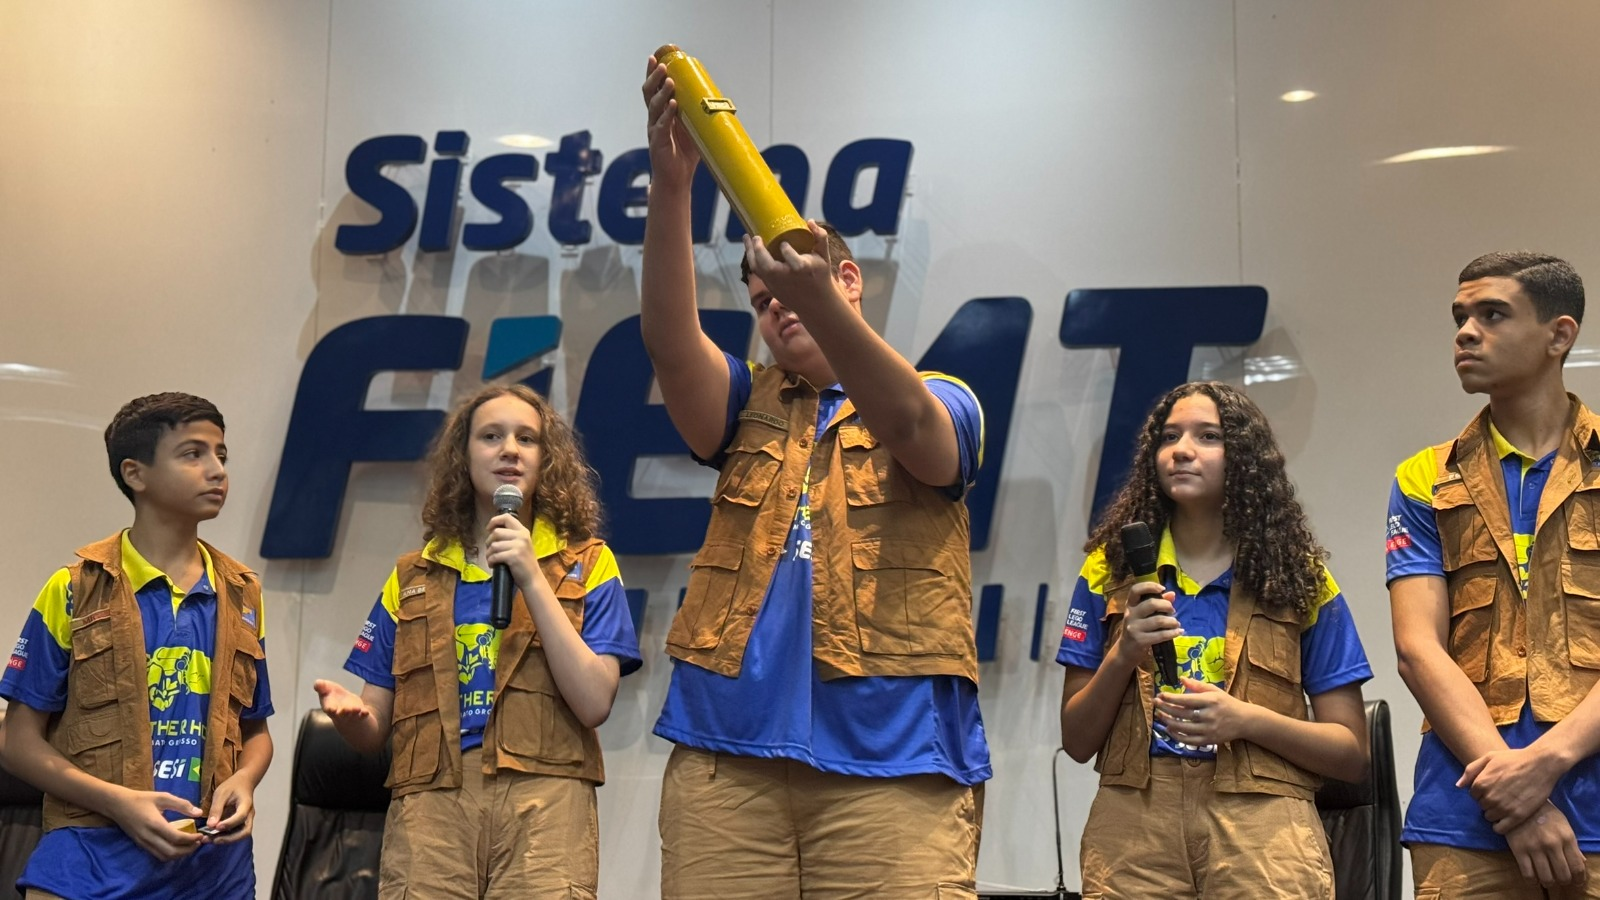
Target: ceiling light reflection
(525, 141)
(1444, 153)
(1298, 96)
(1263, 369)
(37, 374)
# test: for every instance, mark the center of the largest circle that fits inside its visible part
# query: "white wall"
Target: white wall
(172, 176)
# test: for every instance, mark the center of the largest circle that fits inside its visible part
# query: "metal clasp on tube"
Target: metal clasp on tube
(717, 104)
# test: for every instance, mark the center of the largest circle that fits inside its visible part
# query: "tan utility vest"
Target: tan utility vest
(892, 583)
(1545, 648)
(531, 728)
(105, 727)
(1261, 665)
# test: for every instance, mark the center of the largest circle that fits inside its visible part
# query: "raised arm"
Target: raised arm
(886, 390)
(692, 372)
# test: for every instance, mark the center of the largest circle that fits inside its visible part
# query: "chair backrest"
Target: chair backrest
(21, 824)
(1363, 820)
(337, 807)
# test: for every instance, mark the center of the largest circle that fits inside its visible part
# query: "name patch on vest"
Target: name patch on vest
(413, 591)
(756, 415)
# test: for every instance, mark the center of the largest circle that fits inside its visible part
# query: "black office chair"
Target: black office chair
(21, 824)
(338, 803)
(1363, 820)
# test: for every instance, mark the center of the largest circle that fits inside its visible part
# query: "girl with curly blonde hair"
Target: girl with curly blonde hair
(1206, 784)
(494, 756)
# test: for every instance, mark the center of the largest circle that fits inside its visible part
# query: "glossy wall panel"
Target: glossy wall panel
(173, 180)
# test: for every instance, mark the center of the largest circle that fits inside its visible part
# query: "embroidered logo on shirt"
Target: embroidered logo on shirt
(364, 640)
(19, 655)
(1074, 634)
(249, 617)
(1399, 535)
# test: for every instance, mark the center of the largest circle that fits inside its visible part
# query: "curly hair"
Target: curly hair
(1277, 557)
(566, 489)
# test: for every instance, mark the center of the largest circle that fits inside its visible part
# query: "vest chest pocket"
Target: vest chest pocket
(713, 576)
(418, 731)
(1580, 581)
(909, 601)
(753, 459)
(94, 743)
(1272, 645)
(1471, 620)
(94, 660)
(537, 724)
(1464, 537)
(866, 466)
(1474, 573)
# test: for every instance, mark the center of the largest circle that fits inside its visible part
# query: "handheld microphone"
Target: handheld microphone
(1139, 548)
(507, 499)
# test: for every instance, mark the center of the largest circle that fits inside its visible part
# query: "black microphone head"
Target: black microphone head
(507, 498)
(1139, 548)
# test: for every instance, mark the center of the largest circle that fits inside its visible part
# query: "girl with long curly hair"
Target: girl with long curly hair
(492, 730)
(1206, 786)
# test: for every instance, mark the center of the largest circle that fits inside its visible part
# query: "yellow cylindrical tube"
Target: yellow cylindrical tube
(737, 166)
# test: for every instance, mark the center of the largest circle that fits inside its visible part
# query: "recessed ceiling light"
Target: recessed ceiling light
(1298, 96)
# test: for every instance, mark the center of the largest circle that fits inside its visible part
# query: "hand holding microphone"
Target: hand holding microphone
(1149, 619)
(507, 499)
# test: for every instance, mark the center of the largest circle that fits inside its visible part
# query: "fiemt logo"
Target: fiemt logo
(1155, 330)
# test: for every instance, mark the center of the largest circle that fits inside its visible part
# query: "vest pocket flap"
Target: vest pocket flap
(416, 693)
(411, 639)
(243, 683)
(719, 556)
(92, 634)
(1471, 615)
(537, 725)
(416, 751)
(854, 437)
(1273, 647)
(91, 731)
(1464, 537)
(94, 664)
(910, 599)
(755, 437)
(708, 598)
(748, 474)
(1583, 521)
(890, 554)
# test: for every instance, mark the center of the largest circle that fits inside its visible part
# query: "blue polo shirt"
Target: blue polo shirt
(1331, 655)
(780, 707)
(1440, 812)
(180, 628)
(607, 626)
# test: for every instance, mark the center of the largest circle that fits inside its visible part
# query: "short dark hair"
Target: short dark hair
(838, 252)
(1550, 282)
(138, 426)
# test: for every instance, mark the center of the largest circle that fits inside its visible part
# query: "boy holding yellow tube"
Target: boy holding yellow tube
(824, 697)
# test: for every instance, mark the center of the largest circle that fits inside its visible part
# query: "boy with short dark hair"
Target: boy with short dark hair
(149, 785)
(1492, 557)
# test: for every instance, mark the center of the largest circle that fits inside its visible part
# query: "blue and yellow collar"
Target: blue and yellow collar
(140, 572)
(546, 542)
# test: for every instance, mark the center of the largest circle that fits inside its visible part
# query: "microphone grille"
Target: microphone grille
(507, 498)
